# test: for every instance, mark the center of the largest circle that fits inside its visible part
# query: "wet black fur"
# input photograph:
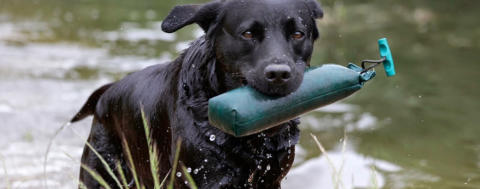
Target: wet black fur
(174, 98)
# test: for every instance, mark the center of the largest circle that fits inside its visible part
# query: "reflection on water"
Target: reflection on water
(416, 129)
(342, 169)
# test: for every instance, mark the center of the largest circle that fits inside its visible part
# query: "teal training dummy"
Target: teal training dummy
(244, 111)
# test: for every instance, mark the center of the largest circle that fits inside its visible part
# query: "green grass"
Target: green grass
(374, 178)
(7, 179)
(152, 152)
(105, 164)
(175, 163)
(132, 165)
(190, 180)
(120, 178)
(337, 173)
(50, 143)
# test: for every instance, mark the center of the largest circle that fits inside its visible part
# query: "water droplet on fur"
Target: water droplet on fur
(268, 167)
(212, 137)
(259, 167)
(205, 160)
(186, 182)
(189, 169)
(269, 156)
(195, 171)
(262, 181)
(179, 174)
(193, 65)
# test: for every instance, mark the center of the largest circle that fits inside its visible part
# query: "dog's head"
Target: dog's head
(266, 44)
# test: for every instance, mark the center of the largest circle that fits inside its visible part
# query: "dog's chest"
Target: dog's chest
(214, 156)
(218, 160)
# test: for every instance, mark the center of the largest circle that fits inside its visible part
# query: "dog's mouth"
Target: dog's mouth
(244, 82)
(275, 90)
(239, 79)
(265, 87)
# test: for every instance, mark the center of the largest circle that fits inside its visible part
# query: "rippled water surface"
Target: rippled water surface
(416, 130)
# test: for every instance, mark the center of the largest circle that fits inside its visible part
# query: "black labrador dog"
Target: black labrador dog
(264, 44)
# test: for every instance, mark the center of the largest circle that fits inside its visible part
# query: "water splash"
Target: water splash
(212, 138)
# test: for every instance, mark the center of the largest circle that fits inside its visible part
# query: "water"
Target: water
(212, 138)
(415, 130)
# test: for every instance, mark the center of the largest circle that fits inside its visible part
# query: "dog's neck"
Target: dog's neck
(198, 76)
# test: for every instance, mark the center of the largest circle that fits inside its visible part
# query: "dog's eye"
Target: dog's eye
(297, 35)
(247, 35)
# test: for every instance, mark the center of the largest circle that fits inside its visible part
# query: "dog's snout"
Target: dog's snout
(278, 73)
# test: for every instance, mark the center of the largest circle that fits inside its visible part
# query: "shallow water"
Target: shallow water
(415, 130)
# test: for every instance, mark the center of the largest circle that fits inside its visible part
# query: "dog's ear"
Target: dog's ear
(317, 12)
(315, 7)
(184, 15)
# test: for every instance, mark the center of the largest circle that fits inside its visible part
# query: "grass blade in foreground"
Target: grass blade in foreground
(76, 181)
(7, 180)
(49, 145)
(96, 176)
(374, 178)
(190, 180)
(104, 163)
(175, 162)
(130, 160)
(336, 175)
(165, 178)
(92, 173)
(122, 174)
(152, 152)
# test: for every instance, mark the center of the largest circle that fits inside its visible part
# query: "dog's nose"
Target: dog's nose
(277, 73)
